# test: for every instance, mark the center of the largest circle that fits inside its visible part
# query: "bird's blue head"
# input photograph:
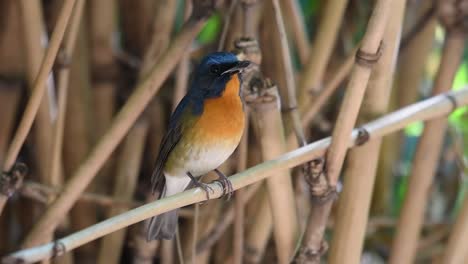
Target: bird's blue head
(213, 73)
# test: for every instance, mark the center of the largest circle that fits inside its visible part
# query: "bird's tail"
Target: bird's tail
(163, 226)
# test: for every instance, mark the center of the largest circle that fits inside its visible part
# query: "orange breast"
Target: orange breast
(223, 117)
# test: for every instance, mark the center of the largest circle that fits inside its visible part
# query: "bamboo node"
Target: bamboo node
(10, 181)
(309, 254)
(320, 189)
(247, 48)
(58, 249)
(368, 59)
(287, 109)
(452, 100)
(362, 137)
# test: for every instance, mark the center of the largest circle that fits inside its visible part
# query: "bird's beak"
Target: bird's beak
(237, 67)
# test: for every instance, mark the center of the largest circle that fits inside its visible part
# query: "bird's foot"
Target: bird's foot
(226, 183)
(205, 187)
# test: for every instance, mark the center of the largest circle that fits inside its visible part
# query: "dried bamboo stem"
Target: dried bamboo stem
(288, 91)
(425, 160)
(122, 122)
(266, 117)
(434, 107)
(105, 71)
(39, 85)
(293, 16)
(260, 229)
(125, 184)
(330, 87)
(412, 61)
(183, 69)
(240, 195)
(33, 36)
(455, 251)
(63, 81)
(325, 183)
(359, 178)
(313, 72)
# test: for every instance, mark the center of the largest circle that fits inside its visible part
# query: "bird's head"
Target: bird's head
(215, 71)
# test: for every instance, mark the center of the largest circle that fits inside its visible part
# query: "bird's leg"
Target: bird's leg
(226, 183)
(202, 185)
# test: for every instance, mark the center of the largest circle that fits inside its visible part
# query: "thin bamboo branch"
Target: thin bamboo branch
(325, 183)
(359, 178)
(425, 159)
(330, 87)
(122, 122)
(313, 72)
(125, 184)
(434, 107)
(45, 193)
(39, 85)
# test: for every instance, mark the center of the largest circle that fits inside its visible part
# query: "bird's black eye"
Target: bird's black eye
(215, 69)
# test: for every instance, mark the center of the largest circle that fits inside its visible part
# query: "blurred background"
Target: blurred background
(118, 42)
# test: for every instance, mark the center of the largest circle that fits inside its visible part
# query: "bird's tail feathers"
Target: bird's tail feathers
(163, 226)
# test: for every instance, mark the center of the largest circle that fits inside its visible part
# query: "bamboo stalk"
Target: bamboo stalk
(455, 252)
(240, 197)
(77, 136)
(125, 184)
(313, 72)
(260, 229)
(12, 89)
(359, 178)
(294, 17)
(266, 117)
(425, 159)
(39, 86)
(122, 122)
(411, 64)
(105, 71)
(183, 70)
(56, 178)
(325, 183)
(433, 107)
(288, 91)
(33, 34)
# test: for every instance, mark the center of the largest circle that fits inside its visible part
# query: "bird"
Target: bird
(203, 131)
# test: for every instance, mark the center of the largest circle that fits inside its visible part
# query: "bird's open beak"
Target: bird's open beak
(238, 67)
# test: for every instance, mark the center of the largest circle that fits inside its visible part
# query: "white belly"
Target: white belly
(203, 160)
